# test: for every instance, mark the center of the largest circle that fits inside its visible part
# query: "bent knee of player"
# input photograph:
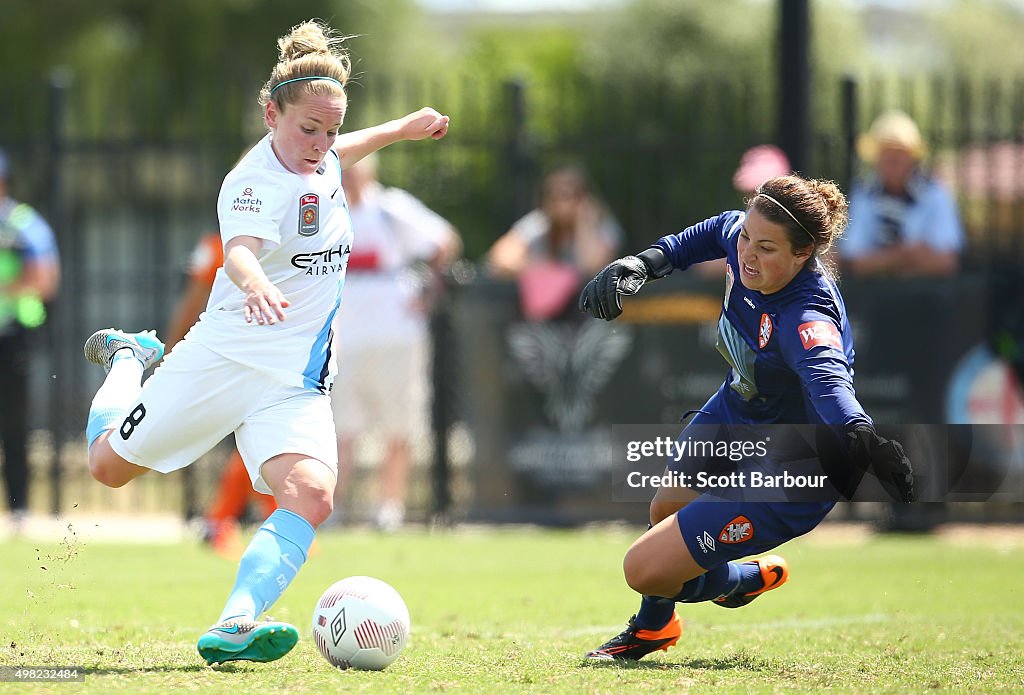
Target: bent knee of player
(314, 505)
(643, 575)
(108, 468)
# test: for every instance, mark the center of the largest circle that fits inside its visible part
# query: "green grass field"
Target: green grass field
(512, 611)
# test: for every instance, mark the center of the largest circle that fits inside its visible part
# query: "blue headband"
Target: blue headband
(311, 77)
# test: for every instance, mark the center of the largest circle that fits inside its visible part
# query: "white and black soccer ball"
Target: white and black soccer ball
(361, 622)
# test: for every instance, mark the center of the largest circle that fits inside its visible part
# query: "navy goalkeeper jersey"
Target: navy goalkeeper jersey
(790, 352)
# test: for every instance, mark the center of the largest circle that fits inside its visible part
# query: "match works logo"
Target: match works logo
(309, 214)
(247, 202)
(706, 543)
(764, 334)
(739, 530)
(815, 333)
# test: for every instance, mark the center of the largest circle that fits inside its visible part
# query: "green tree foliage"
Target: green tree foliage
(657, 98)
(980, 37)
(153, 65)
(684, 41)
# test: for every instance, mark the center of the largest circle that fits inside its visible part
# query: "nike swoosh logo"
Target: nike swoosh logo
(777, 571)
(233, 630)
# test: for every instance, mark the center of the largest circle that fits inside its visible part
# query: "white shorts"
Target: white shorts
(196, 398)
(382, 388)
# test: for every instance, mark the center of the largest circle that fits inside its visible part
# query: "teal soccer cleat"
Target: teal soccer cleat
(101, 346)
(247, 640)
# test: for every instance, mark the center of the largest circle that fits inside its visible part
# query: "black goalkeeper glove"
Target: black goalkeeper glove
(600, 297)
(886, 459)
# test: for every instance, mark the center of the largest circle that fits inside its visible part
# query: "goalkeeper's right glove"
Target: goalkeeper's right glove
(600, 297)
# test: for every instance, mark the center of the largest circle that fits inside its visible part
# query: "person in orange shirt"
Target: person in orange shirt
(235, 490)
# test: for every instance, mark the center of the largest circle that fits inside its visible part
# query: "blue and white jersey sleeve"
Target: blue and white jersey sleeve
(704, 241)
(254, 203)
(813, 345)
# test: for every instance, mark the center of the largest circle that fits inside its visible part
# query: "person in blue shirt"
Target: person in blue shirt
(903, 222)
(784, 333)
(29, 278)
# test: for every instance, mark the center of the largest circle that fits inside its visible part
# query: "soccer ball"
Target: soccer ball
(361, 622)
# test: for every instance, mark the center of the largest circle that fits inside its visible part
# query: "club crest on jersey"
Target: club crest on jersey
(764, 334)
(738, 530)
(309, 214)
(815, 333)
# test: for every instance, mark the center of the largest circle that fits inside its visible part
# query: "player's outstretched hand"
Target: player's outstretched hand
(423, 123)
(600, 297)
(886, 458)
(265, 304)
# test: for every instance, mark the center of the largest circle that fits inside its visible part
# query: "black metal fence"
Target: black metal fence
(128, 200)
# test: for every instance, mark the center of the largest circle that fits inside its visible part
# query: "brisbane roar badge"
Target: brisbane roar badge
(764, 334)
(738, 530)
(309, 214)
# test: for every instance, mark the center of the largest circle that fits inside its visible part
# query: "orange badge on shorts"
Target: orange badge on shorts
(738, 530)
(765, 333)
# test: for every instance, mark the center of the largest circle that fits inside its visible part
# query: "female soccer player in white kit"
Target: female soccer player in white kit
(258, 362)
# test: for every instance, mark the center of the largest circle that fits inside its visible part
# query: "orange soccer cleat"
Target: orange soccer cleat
(774, 573)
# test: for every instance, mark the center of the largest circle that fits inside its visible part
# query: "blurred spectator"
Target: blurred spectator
(29, 278)
(381, 331)
(903, 222)
(234, 491)
(757, 165)
(552, 249)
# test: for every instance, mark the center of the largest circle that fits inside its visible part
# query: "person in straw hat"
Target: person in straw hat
(903, 222)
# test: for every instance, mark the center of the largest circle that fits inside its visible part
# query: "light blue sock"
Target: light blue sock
(121, 387)
(268, 565)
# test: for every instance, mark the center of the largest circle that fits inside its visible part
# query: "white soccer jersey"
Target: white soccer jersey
(307, 233)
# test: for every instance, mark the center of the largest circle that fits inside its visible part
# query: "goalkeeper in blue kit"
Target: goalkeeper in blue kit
(784, 332)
